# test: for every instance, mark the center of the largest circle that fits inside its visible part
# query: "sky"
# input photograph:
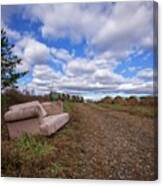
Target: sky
(87, 49)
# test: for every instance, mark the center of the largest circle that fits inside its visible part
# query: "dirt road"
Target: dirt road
(116, 145)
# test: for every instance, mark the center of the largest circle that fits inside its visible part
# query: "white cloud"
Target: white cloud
(44, 79)
(130, 24)
(61, 54)
(132, 69)
(72, 20)
(12, 34)
(146, 74)
(112, 33)
(105, 76)
(117, 27)
(80, 66)
(32, 51)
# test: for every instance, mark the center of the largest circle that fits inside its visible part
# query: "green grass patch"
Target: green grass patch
(67, 106)
(33, 147)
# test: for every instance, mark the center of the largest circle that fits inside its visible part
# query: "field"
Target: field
(100, 141)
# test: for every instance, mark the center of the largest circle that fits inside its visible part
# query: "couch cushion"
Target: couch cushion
(42, 111)
(53, 108)
(21, 114)
(51, 124)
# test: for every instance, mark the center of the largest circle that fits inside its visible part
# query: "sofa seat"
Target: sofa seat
(51, 124)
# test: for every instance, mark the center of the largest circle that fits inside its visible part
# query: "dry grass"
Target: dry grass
(139, 110)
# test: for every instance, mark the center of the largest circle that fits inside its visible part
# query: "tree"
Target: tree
(68, 97)
(9, 75)
(81, 99)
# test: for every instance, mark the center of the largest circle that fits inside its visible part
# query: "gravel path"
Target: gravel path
(116, 145)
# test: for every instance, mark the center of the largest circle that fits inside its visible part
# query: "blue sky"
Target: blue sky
(93, 50)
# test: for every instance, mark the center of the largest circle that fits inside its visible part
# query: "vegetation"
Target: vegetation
(139, 110)
(101, 140)
(33, 147)
(65, 97)
(9, 61)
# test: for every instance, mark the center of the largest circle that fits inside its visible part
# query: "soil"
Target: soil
(116, 145)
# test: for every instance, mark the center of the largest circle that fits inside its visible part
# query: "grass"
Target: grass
(68, 106)
(28, 156)
(56, 169)
(140, 110)
(33, 147)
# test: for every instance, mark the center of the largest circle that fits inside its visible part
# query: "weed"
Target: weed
(33, 147)
(56, 168)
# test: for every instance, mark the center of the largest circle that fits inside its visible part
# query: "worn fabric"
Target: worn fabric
(18, 128)
(21, 114)
(53, 108)
(42, 111)
(51, 124)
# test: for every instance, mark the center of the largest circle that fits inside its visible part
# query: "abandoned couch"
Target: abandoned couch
(35, 118)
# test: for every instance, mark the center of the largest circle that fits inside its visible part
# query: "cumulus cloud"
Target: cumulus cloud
(31, 51)
(130, 24)
(44, 79)
(72, 20)
(81, 74)
(118, 26)
(114, 33)
(12, 34)
(105, 76)
(80, 66)
(61, 54)
(146, 74)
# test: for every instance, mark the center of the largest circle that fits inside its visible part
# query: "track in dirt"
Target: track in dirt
(116, 145)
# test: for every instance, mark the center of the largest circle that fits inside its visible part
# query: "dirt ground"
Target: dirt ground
(117, 145)
(97, 143)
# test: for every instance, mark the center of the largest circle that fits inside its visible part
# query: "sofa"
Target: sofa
(35, 118)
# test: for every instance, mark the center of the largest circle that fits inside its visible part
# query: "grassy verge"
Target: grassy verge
(147, 111)
(33, 147)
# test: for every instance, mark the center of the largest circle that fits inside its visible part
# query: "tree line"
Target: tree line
(65, 97)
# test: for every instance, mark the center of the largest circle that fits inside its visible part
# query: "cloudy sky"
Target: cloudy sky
(86, 49)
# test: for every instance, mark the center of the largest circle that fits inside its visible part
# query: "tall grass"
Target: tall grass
(32, 147)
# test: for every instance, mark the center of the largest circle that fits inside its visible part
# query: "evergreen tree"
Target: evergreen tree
(9, 75)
